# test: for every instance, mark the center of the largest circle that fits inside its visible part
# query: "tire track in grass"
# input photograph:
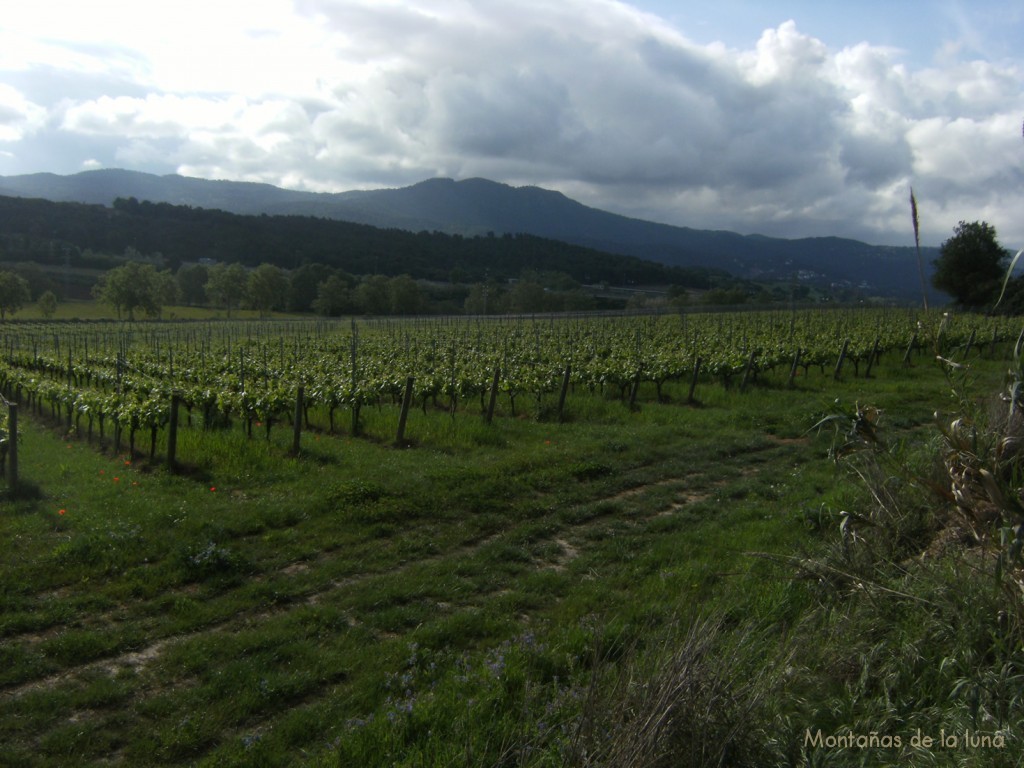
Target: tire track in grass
(565, 533)
(319, 702)
(137, 659)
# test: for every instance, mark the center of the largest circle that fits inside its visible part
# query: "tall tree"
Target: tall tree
(135, 286)
(267, 288)
(971, 264)
(334, 297)
(304, 285)
(373, 296)
(527, 296)
(38, 281)
(48, 304)
(405, 295)
(166, 289)
(192, 284)
(225, 287)
(14, 293)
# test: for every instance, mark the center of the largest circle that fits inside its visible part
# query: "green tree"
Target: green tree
(135, 286)
(334, 297)
(304, 286)
(166, 287)
(726, 296)
(971, 264)
(267, 288)
(14, 293)
(576, 301)
(192, 284)
(485, 299)
(527, 296)
(373, 296)
(406, 298)
(48, 304)
(38, 281)
(225, 287)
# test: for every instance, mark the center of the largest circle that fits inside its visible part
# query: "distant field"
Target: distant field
(92, 310)
(494, 593)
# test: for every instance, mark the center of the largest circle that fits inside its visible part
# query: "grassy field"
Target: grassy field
(94, 310)
(520, 593)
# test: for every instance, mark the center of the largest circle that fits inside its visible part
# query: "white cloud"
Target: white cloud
(613, 106)
(18, 116)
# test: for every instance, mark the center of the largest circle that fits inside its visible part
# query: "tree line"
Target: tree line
(139, 288)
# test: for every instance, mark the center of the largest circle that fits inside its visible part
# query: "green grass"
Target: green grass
(468, 600)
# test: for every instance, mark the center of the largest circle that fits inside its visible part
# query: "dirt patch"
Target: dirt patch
(684, 500)
(567, 554)
(778, 440)
(136, 660)
(637, 490)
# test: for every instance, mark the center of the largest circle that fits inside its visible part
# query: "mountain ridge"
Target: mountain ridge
(478, 206)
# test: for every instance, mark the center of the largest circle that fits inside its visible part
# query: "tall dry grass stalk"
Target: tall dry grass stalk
(1008, 275)
(917, 244)
(698, 699)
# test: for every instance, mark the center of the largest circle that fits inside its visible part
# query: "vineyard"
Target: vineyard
(117, 381)
(496, 541)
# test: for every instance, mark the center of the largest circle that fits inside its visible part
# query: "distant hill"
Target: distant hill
(477, 207)
(90, 235)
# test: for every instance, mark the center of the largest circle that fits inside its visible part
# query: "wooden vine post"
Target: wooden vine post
(565, 390)
(746, 371)
(693, 381)
(118, 390)
(172, 432)
(406, 402)
(355, 398)
(910, 348)
(793, 368)
(494, 394)
(842, 359)
(970, 343)
(297, 422)
(70, 401)
(12, 445)
(633, 391)
(872, 357)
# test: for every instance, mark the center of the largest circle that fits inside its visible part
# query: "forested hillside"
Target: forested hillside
(85, 235)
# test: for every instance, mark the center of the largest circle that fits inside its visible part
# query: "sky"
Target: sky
(791, 119)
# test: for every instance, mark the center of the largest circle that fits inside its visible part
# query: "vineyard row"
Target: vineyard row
(127, 377)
